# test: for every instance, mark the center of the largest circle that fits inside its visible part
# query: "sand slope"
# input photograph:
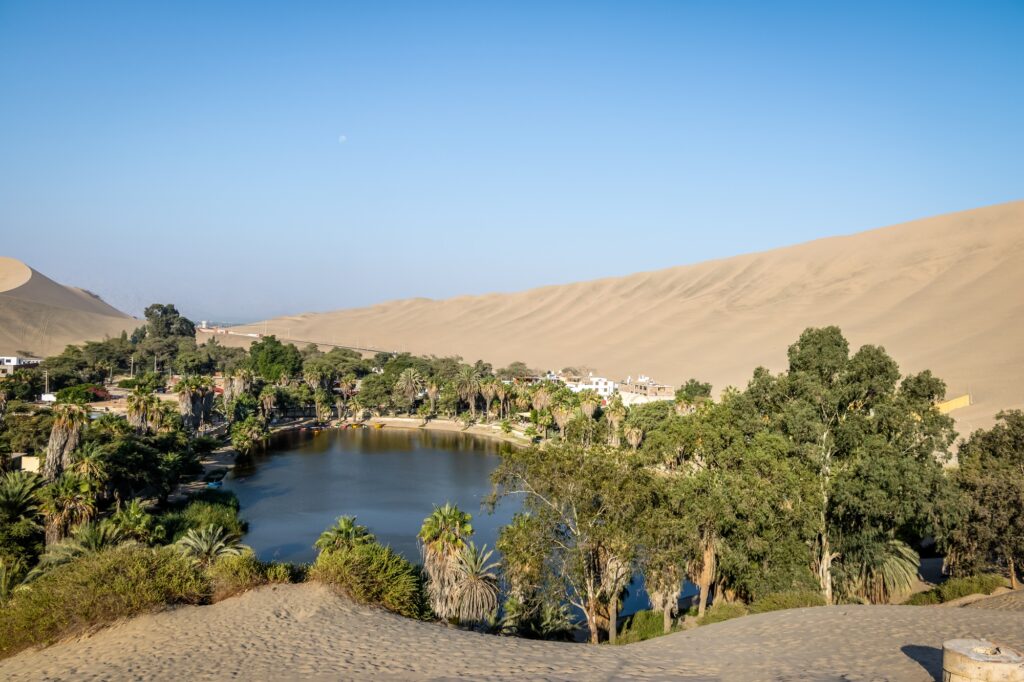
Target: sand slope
(942, 293)
(304, 631)
(42, 316)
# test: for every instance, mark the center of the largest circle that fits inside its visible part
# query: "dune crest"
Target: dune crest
(940, 293)
(41, 316)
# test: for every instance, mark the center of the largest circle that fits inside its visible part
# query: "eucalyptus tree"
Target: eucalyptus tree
(69, 421)
(586, 503)
(872, 444)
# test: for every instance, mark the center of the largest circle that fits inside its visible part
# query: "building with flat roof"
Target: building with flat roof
(644, 389)
(10, 363)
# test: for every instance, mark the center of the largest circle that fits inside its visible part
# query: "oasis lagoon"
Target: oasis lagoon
(390, 479)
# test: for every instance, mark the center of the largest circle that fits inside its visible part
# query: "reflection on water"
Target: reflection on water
(389, 479)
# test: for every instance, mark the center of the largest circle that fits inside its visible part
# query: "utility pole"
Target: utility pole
(46, 381)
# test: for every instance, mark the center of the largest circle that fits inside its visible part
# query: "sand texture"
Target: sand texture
(304, 631)
(942, 293)
(41, 316)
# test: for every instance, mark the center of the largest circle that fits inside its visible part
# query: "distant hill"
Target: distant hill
(41, 316)
(943, 293)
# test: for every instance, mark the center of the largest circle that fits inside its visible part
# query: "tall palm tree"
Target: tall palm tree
(589, 402)
(409, 385)
(344, 534)
(541, 398)
(500, 392)
(475, 588)
(90, 465)
(64, 436)
(433, 390)
(467, 385)
(442, 537)
(615, 415)
(268, 401)
(488, 391)
(209, 544)
(562, 408)
(142, 409)
(67, 502)
(634, 435)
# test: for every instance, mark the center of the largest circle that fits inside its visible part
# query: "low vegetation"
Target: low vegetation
(778, 601)
(640, 626)
(97, 589)
(233, 574)
(955, 588)
(371, 573)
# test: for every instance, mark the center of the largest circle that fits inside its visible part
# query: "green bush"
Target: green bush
(923, 598)
(371, 573)
(722, 611)
(787, 600)
(642, 625)
(207, 508)
(983, 583)
(954, 588)
(237, 573)
(96, 590)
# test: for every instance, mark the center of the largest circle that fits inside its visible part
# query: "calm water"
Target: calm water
(389, 479)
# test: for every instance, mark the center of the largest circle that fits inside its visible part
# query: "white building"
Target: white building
(600, 385)
(10, 363)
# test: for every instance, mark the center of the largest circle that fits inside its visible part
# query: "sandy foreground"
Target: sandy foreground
(306, 631)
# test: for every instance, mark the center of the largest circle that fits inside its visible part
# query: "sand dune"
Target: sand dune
(42, 316)
(941, 293)
(305, 632)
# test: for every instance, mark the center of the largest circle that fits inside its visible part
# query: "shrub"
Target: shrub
(983, 583)
(722, 611)
(207, 508)
(83, 393)
(642, 625)
(923, 598)
(234, 574)
(371, 573)
(96, 590)
(787, 600)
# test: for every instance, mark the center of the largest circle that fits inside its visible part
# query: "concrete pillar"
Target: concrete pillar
(978, 660)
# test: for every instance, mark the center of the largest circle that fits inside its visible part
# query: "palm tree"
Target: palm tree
(475, 588)
(19, 497)
(562, 408)
(142, 409)
(634, 435)
(442, 537)
(67, 502)
(89, 538)
(541, 398)
(12, 577)
(589, 402)
(195, 401)
(135, 523)
(500, 392)
(64, 436)
(314, 377)
(344, 534)
(209, 544)
(433, 389)
(488, 391)
(268, 401)
(615, 415)
(409, 385)
(467, 385)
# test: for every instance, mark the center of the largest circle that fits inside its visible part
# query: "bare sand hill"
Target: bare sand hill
(304, 631)
(942, 293)
(42, 316)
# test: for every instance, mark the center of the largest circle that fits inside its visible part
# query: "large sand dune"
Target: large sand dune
(942, 293)
(41, 316)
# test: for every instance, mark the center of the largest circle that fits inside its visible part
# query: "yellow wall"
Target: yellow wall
(954, 403)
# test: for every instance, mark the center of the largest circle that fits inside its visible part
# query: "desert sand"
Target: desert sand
(41, 316)
(941, 293)
(305, 631)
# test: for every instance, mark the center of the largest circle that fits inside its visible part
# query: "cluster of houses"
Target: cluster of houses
(10, 363)
(633, 391)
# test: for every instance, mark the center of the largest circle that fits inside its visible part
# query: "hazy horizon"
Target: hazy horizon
(245, 162)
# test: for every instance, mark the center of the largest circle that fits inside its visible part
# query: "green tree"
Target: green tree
(442, 537)
(344, 534)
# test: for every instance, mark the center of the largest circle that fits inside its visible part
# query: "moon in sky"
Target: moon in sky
(342, 139)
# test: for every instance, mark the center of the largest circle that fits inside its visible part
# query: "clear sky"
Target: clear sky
(255, 159)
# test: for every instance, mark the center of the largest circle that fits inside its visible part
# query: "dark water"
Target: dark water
(389, 479)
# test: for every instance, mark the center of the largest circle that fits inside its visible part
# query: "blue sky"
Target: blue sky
(255, 159)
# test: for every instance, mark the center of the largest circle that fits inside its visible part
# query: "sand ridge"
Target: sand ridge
(305, 631)
(940, 293)
(41, 316)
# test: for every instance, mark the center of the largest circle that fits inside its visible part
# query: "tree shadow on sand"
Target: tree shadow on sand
(928, 657)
